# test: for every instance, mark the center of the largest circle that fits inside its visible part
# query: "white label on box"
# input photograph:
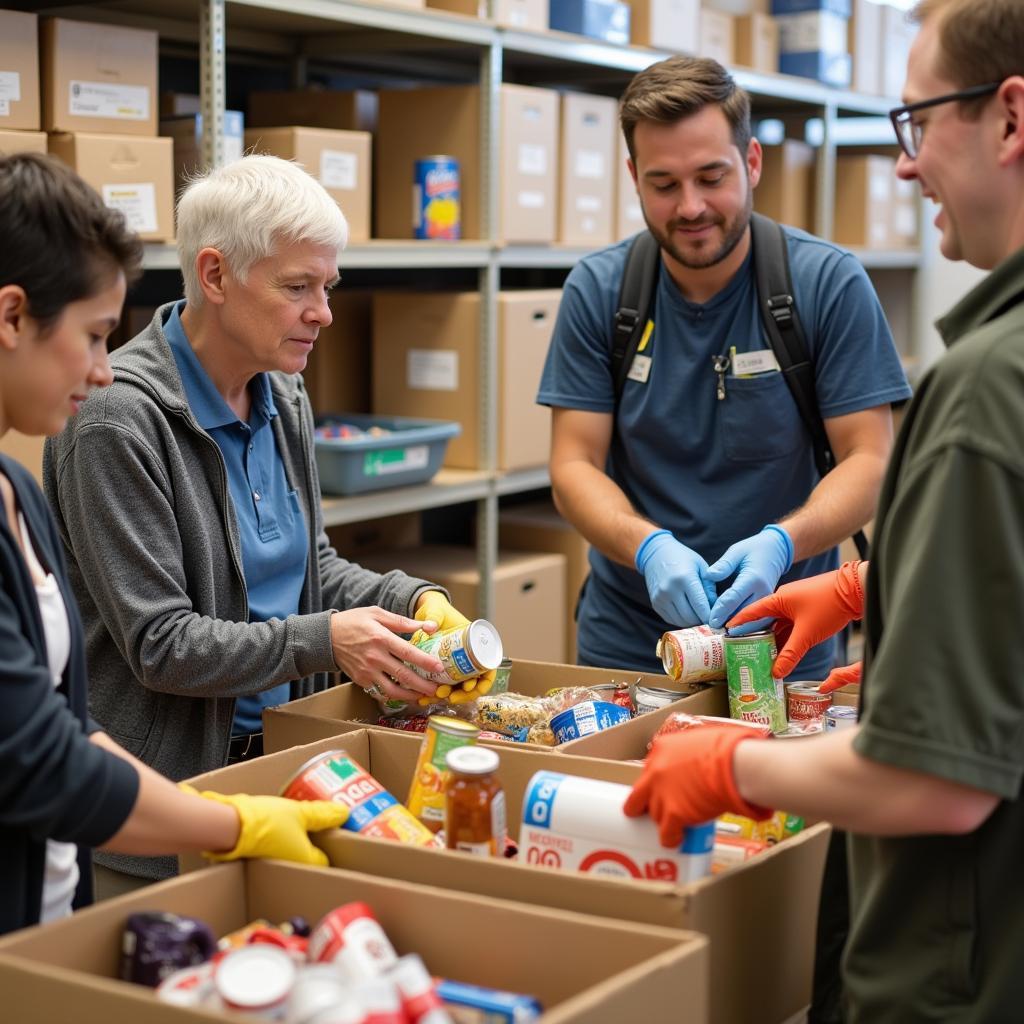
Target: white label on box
(588, 204)
(338, 170)
(533, 159)
(589, 164)
(429, 370)
(812, 30)
(879, 188)
(517, 19)
(136, 202)
(100, 99)
(396, 460)
(906, 221)
(879, 233)
(5, 108)
(530, 200)
(10, 85)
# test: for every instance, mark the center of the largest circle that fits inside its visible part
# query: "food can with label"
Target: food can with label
(436, 209)
(466, 652)
(426, 794)
(352, 938)
(587, 718)
(191, 986)
(651, 698)
(372, 810)
(754, 694)
(695, 655)
(806, 703)
(256, 980)
(839, 716)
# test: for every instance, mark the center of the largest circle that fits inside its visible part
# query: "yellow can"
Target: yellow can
(426, 795)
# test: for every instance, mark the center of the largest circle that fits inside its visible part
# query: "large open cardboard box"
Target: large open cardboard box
(583, 969)
(347, 707)
(770, 903)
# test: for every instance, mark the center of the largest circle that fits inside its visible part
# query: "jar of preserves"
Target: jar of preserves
(474, 803)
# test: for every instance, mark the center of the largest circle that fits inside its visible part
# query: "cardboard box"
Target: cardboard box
(411, 127)
(529, 592)
(19, 71)
(756, 42)
(739, 8)
(768, 903)
(587, 187)
(812, 30)
(26, 450)
(347, 708)
(897, 36)
(841, 7)
(354, 110)
(98, 78)
(903, 224)
(672, 25)
(716, 36)
(538, 527)
(864, 40)
(786, 189)
(178, 104)
(525, 14)
(847, 696)
(22, 142)
(606, 20)
(133, 175)
(186, 132)
(339, 160)
(426, 362)
(863, 200)
(615, 970)
(337, 374)
(629, 215)
(351, 540)
(830, 68)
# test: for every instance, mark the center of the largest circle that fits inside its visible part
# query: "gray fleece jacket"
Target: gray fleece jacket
(140, 494)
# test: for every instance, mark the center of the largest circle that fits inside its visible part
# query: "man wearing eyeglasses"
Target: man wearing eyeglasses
(929, 783)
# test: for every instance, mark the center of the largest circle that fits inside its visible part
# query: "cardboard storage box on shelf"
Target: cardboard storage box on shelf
(739, 7)
(186, 132)
(22, 142)
(528, 14)
(588, 153)
(337, 374)
(865, 43)
(840, 7)
(339, 160)
(863, 200)
(353, 110)
(606, 20)
(768, 904)
(903, 226)
(786, 189)
(529, 592)
(19, 71)
(69, 969)
(98, 78)
(672, 25)
(134, 175)
(716, 36)
(897, 36)
(347, 708)
(756, 42)
(629, 216)
(417, 123)
(537, 526)
(426, 363)
(813, 44)
(26, 450)
(351, 540)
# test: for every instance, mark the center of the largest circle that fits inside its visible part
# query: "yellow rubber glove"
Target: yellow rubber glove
(273, 826)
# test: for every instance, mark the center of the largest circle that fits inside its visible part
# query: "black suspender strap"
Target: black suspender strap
(636, 296)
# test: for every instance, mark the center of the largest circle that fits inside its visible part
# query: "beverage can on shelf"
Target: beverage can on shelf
(436, 203)
(754, 694)
(694, 655)
(426, 794)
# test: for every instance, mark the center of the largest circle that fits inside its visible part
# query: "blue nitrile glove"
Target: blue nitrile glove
(758, 562)
(676, 580)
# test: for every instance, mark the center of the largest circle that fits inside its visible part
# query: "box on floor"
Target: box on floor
(527, 14)
(616, 969)
(19, 72)
(768, 903)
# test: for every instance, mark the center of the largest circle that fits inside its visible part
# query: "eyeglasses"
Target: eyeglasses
(909, 134)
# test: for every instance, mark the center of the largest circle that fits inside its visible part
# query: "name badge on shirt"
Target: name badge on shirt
(747, 364)
(640, 370)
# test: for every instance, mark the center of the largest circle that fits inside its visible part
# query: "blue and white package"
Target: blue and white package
(585, 719)
(495, 1006)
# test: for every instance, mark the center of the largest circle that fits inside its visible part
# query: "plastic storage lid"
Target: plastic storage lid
(472, 760)
(485, 644)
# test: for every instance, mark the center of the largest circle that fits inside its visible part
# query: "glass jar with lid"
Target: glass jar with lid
(474, 803)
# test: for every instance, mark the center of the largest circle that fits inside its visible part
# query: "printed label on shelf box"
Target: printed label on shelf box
(395, 460)
(533, 159)
(5, 108)
(879, 234)
(589, 164)
(10, 85)
(588, 204)
(530, 200)
(879, 189)
(905, 221)
(136, 202)
(338, 170)
(100, 99)
(429, 370)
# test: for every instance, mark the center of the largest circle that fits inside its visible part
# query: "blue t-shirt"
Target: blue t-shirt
(712, 471)
(271, 526)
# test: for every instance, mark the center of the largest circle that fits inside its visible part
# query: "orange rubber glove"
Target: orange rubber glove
(807, 612)
(845, 675)
(688, 779)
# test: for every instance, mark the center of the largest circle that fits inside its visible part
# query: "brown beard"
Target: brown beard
(733, 233)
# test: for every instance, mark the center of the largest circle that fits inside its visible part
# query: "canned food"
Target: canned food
(318, 987)
(372, 810)
(694, 655)
(502, 676)
(754, 694)
(651, 698)
(587, 718)
(420, 1000)
(352, 938)
(191, 986)
(256, 980)
(840, 717)
(806, 703)
(466, 652)
(436, 205)
(426, 795)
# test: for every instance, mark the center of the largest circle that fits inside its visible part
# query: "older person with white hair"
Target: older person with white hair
(189, 505)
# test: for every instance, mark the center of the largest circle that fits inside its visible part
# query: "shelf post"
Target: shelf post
(825, 173)
(212, 79)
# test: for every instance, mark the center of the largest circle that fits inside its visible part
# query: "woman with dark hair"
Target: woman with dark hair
(65, 786)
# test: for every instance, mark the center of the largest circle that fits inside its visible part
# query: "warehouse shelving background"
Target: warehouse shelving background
(378, 44)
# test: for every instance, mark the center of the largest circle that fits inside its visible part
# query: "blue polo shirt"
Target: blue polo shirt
(271, 526)
(712, 471)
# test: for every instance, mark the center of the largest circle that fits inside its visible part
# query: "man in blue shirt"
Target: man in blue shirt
(706, 478)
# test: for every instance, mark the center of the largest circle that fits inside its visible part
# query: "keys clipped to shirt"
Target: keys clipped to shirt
(742, 364)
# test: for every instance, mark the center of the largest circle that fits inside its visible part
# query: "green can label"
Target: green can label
(754, 696)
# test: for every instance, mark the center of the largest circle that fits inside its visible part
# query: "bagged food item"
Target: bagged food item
(515, 713)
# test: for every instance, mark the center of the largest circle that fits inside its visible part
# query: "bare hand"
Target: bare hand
(369, 651)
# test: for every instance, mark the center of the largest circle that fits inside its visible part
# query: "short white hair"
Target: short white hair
(247, 209)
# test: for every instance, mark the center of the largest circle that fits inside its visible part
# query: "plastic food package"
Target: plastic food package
(517, 713)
